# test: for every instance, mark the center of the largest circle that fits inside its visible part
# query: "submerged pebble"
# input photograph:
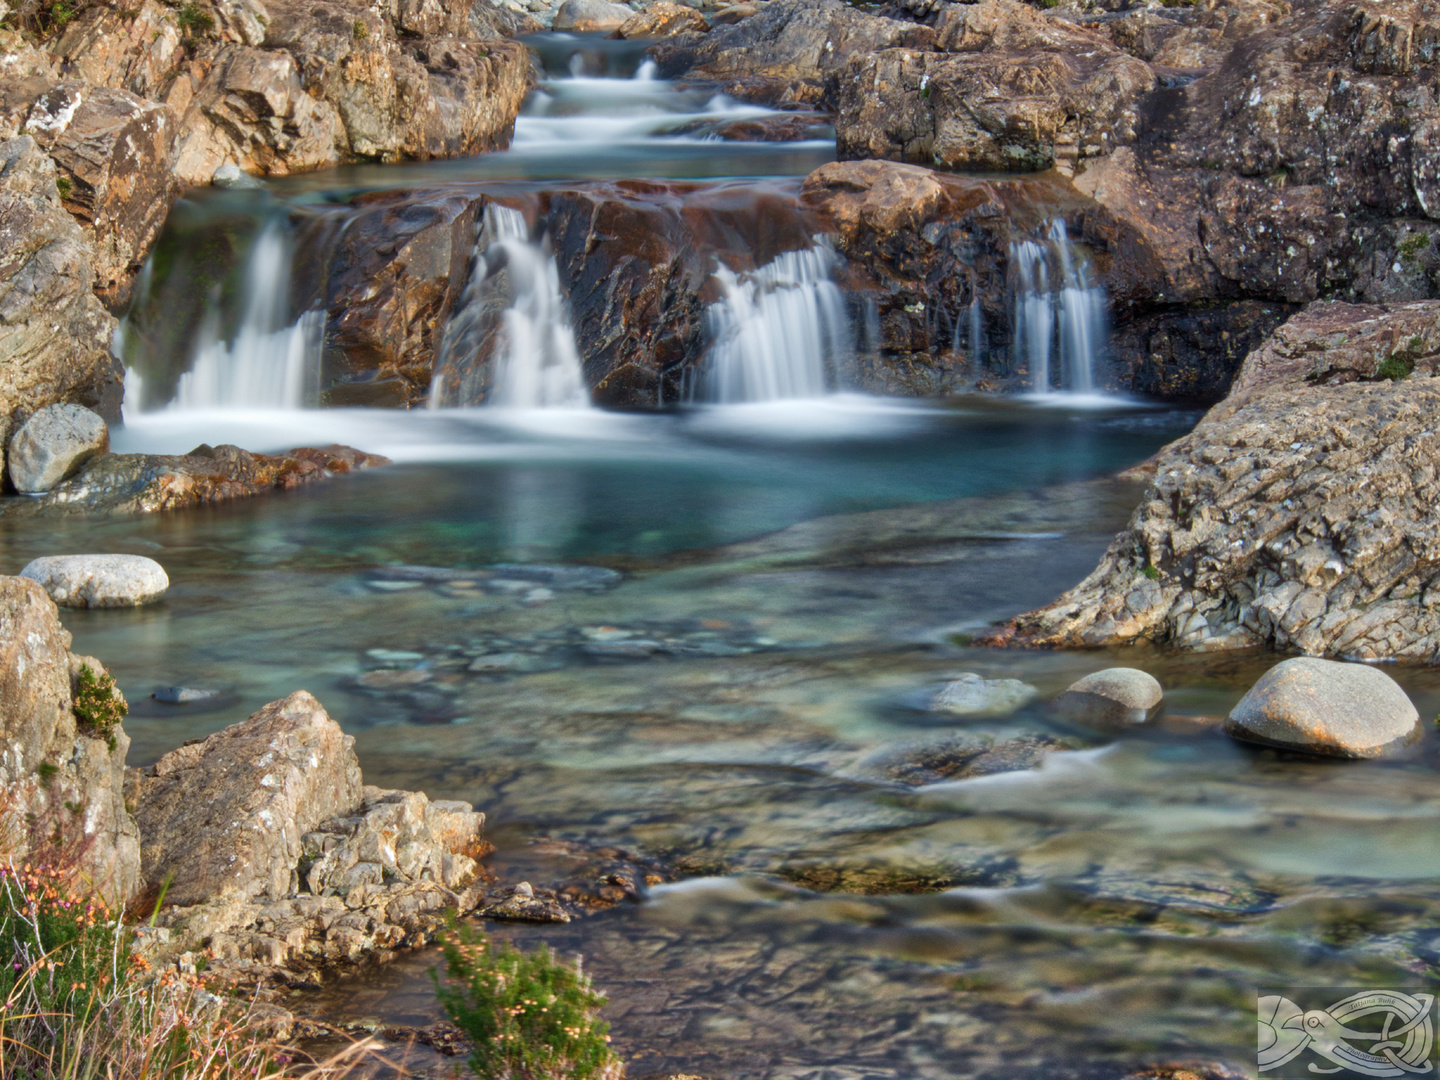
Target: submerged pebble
(183, 695)
(973, 696)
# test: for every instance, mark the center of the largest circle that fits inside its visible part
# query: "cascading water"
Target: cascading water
(534, 361)
(780, 331)
(270, 362)
(1059, 313)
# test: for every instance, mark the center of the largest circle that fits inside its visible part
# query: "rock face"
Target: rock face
(98, 581)
(63, 800)
(1300, 513)
(1112, 700)
(1322, 707)
(53, 444)
(226, 816)
(145, 483)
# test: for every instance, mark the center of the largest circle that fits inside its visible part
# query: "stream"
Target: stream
(707, 637)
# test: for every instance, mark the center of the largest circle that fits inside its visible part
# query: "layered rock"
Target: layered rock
(1299, 514)
(145, 483)
(63, 801)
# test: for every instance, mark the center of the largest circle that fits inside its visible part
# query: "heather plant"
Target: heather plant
(529, 1016)
(99, 706)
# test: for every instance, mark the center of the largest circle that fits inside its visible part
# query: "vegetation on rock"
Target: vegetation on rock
(99, 705)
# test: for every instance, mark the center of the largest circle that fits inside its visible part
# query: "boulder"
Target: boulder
(53, 444)
(587, 16)
(976, 697)
(98, 581)
(63, 802)
(1328, 708)
(228, 815)
(1112, 700)
(662, 19)
(1300, 513)
(54, 334)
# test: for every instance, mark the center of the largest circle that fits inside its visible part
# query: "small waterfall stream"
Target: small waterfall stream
(780, 330)
(534, 361)
(1060, 314)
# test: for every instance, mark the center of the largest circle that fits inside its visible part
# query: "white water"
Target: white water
(536, 364)
(270, 363)
(779, 331)
(1060, 314)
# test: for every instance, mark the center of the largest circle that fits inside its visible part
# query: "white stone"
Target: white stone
(972, 696)
(98, 581)
(53, 444)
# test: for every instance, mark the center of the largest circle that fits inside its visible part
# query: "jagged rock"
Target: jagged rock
(54, 335)
(588, 16)
(523, 903)
(53, 444)
(98, 581)
(113, 150)
(976, 697)
(1005, 87)
(145, 483)
(1300, 513)
(662, 19)
(227, 815)
(1324, 707)
(29, 72)
(63, 801)
(138, 49)
(1112, 700)
(791, 50)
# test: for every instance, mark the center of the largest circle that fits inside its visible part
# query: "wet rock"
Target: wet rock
(53, 444)
(1329, 708)
(1112, 700)
(973, 696)
(183, 695)
(1006, 88)
(99, 581)
(1294, 515)
(662, 19)
(146, 483)
(54, 334)
(791, 50)
(963, 759)
(49, 765)
(227, 816)
(230, 177)
(588, 16)
(525, 904)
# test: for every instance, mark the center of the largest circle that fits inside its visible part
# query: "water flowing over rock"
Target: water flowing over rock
(53, 444)
(1300, 513)
(1060, 313)
(98, 581)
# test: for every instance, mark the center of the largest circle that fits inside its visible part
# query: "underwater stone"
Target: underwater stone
(971, 695)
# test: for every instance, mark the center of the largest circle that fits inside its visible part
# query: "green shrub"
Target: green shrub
(361, 30)
(99, 705)
(194, 19)
(62, 185)
(529, 1016)
(1395, 367)
(1151, 572)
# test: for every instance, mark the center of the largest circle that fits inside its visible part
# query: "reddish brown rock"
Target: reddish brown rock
(137, 49)
(662, 19)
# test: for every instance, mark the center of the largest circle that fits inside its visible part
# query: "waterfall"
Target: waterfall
(534, 362)
(1059, 313)
(779, 331)
(271, 362)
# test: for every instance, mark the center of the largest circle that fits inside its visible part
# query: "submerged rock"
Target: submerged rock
(1112, 700)
(99, 581)
(1329, 708)
(53, 444)
(973, 696)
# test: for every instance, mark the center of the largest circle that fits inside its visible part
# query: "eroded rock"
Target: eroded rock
(98, 581)
(53, 444)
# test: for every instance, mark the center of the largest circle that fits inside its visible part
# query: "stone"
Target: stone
(183, 695)
(1329, 708)
(98, 581)
(97, 849)
(976, 697)
(228, 815)
(1115, 699)
(148, 483)
(230, 177)
(52, 446)
(662, 19)
(587, 16)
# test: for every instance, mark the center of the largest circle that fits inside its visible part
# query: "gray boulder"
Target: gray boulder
(585, 16)
(1327, 707)
(972, 696)
(1112, 700)
(53, 444)
(98, 581)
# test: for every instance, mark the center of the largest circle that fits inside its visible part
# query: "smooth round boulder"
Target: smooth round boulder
(98, 581)
(586, 16)
(1327, 707)
(1112, 700)
(971, 696)
(52, 445)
